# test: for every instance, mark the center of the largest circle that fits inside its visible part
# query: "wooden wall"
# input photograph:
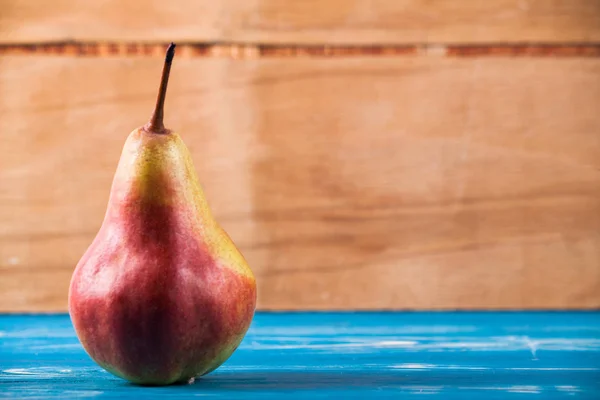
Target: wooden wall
(363, 154)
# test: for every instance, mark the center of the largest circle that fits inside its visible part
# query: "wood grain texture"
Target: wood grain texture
(308, 21)
(415, 182)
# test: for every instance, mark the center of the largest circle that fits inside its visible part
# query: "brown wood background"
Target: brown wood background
(363, 154)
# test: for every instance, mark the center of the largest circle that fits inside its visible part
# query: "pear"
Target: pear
(162, 295)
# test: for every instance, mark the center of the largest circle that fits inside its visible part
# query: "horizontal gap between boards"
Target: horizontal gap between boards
(249, 51)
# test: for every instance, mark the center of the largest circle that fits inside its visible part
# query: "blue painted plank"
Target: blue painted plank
(449, 355)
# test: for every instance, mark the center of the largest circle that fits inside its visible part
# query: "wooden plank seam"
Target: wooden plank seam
(249, 51)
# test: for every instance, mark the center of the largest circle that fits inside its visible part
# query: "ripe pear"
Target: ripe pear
(162, 295)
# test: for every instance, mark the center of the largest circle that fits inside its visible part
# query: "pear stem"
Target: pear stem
(156, 121)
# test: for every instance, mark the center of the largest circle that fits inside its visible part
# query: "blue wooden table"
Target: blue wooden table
(337, 355)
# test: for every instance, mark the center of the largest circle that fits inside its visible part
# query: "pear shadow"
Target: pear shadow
(285, 380)
(296, 380)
